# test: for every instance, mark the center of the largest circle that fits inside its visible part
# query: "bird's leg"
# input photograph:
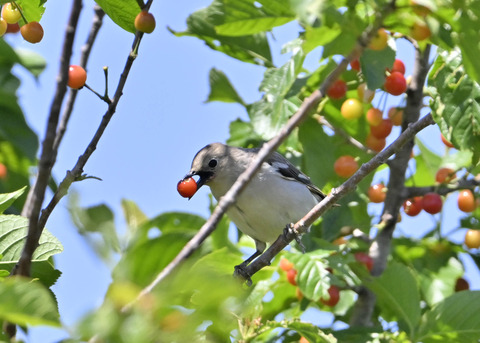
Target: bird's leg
(290, 230)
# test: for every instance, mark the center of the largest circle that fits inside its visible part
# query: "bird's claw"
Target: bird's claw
(241, 273)
(290, 230)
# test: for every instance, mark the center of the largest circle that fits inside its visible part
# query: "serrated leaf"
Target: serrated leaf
(250, 48)
(455, 101)
(7, 199)
(454, 320)
(468, 23)
(307, 330)
(247, 17)
(242, 134)
(122, 12)
(26, 302)
(221, 89)
(398, 296)
(13, 231)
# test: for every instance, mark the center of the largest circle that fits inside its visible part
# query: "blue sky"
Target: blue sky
(161, 122)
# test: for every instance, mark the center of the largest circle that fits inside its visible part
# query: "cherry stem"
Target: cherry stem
(21, 12)
(102, 97)
(105, 71)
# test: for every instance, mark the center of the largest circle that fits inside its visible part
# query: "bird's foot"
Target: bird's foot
(241, 273)
(289, 231)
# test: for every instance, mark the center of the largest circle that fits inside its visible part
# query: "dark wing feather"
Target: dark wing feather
(289, 171)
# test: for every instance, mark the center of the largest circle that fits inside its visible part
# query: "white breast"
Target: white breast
(268, 204)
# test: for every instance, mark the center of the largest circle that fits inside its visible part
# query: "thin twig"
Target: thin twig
(36, 194)
(308, 105)
(72, 96)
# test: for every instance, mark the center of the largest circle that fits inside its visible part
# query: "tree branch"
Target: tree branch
(36, 194)
(308, 105)
(380, 248)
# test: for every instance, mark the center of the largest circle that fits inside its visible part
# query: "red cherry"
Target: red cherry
(337, 90)
(364, 259)
(376, 193)
(334, 293)
(398, 66)
(187, 188)
(395, 83)
(412, 207)
(291, 276)
(466, 201)
(383, 129)
(355, 65)
(285, 264)
(432, 203)
(345, 166)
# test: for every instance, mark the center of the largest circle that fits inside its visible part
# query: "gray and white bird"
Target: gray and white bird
(279, 194)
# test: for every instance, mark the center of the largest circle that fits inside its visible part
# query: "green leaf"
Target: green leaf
(8, 57)
(7, 199)
(242, 134)
(250, 48)
(455, 101)
(374, 63)
(32, 10)
(133, 216)
(13, 231)
(247, 17)
(312, 274)
(122, 12)
(32, 61)
(454, 320)
(96, 219)
(307, 330)
(221, 89)
(27, 303)
(319, 36)
(398, 296)
(468, 23)
(427, 164)
(14, 127)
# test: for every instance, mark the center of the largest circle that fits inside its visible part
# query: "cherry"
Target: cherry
(396, 115)
(334, 293)
(374, 143)
(472, 239)
(446, 142)
(398, 66)
(412, 207)
(285, 264)
(365, 259)
(365, 94)
(13, 28)
(77, 76)
(187, 188)
(395, 83)
(351, 109)
(374, 116)
(461, 285)
(355, 65)
(3, 171)
(379, 41)
(420, 31)
(377, 193)
(337, 90)
(291, 276)
(466, 201)
(445, 175)
(145, 22)
(345, 166)
(32, 32)
(383, 129)
(3, 26)
(432, 203)
(11, 13)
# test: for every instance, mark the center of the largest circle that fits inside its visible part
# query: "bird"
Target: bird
(278, 195)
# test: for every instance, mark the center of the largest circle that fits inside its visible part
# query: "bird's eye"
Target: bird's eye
(212, 163)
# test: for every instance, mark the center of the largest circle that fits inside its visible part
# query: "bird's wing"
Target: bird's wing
(290, 172)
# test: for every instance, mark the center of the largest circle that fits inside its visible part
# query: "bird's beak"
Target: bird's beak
(202, 178)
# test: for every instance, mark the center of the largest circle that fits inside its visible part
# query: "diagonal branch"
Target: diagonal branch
(308, 105)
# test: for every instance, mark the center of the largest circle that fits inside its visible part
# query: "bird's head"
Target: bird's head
(208, 163)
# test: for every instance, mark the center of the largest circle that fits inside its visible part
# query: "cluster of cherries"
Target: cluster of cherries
(11, 14)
